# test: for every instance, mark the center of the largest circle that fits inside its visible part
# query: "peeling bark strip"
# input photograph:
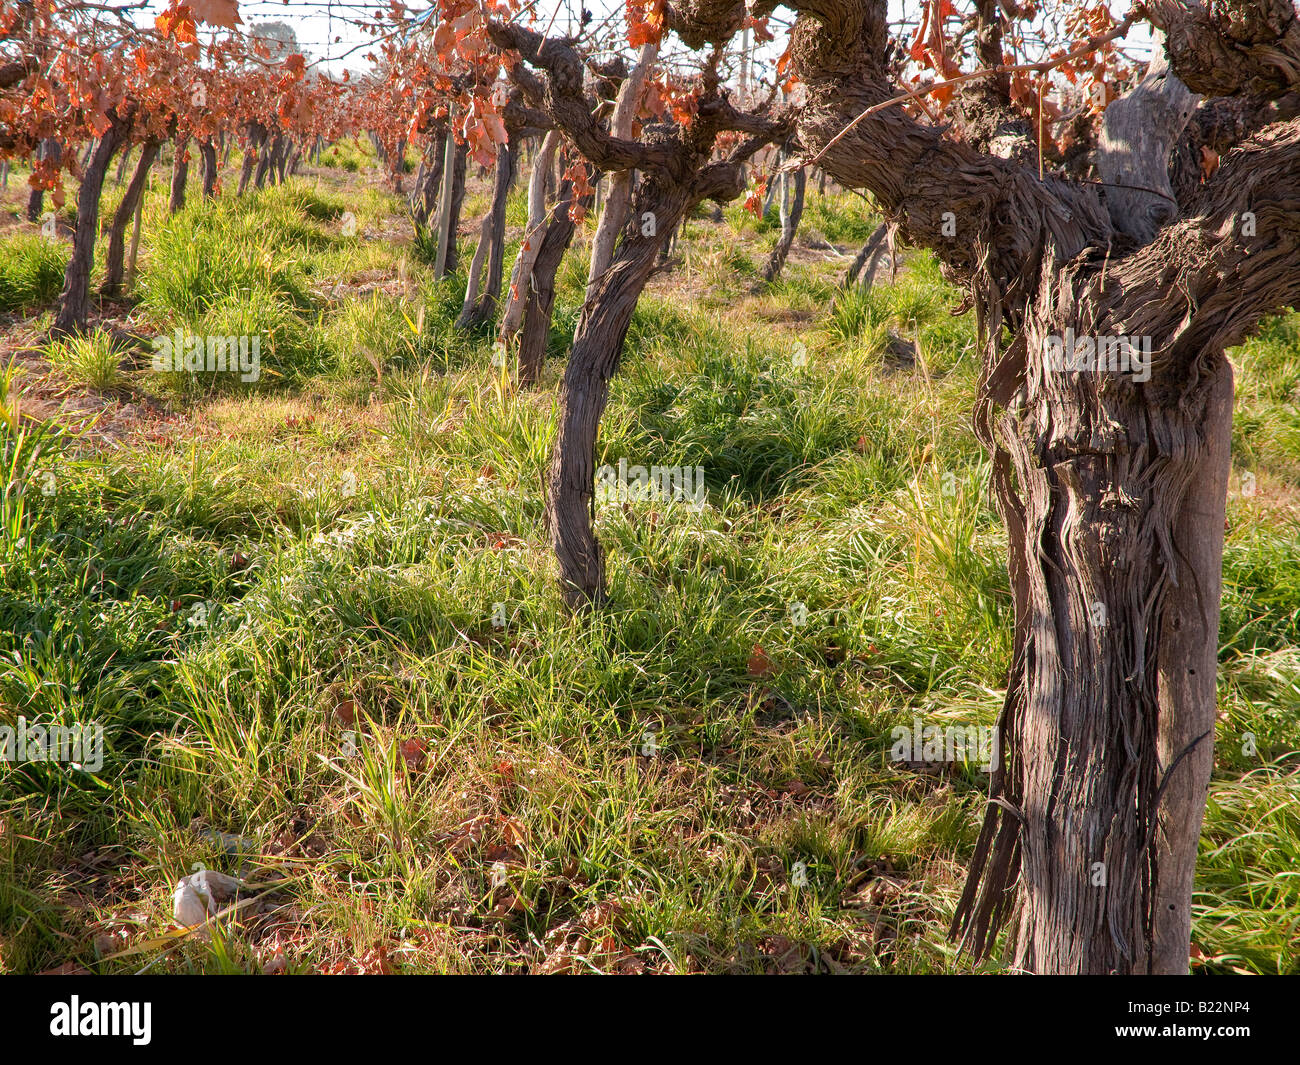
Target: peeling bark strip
(1112, 491)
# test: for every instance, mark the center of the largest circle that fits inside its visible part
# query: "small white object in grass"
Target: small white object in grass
(200, 895)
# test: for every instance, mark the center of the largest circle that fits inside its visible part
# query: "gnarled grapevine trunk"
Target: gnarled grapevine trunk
(455, 204)
(539, 217)
(253, 150)
(539, 297)
(49, 149)
(1111, 480)
(424, 192)
(1116, 526)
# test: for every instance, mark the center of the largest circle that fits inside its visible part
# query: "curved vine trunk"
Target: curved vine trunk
(122, 163)
(35, 204)
(74, 301)
(424, 192)
(597, 348)
(676, 172)
(614, 215)
(1116, 538)
(284, 149)
(539, 219)
(866, 259)
(115, 262)
(265, 159)
(456, 202)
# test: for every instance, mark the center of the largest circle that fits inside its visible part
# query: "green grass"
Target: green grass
(93, 360)
(31, 271)
(321, 615)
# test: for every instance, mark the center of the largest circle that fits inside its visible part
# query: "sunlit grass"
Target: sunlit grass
(322, 617)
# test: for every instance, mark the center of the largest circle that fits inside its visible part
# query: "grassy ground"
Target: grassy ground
(315, 617)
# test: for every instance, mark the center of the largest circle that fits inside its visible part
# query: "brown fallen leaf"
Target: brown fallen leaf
(414, 752)
(759, 664)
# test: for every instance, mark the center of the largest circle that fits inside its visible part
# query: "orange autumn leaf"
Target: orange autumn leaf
(645, 22)
(760, 665)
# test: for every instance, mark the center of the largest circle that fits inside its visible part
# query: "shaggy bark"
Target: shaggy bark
(1103, 482)
(115, 262)
(1229, 47)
